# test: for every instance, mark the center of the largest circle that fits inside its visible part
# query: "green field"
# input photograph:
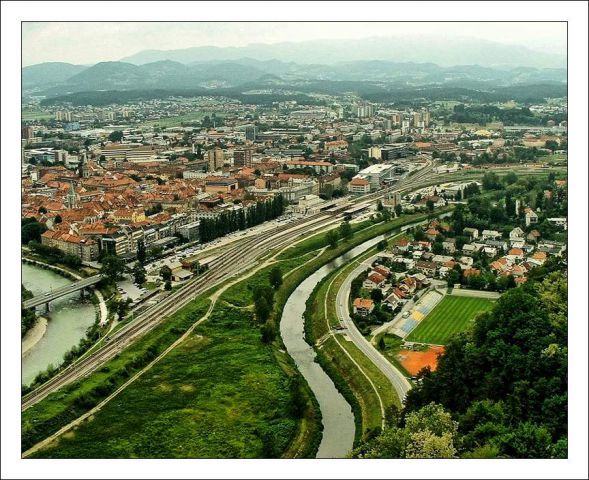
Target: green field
(35, 115)
(452, 315)
(178, 120)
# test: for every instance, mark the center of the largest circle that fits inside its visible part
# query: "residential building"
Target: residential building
(86, 249)
(216, 158)
(363, 306)
(243, 157)
(531, 217)
(359, 186)
(190, 231)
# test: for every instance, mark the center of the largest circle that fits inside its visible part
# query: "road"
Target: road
(228, 264)
(60, 292)
(397, 379)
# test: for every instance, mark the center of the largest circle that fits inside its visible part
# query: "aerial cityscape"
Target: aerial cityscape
(325, 247)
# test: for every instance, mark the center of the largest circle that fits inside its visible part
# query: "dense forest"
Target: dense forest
(500, 390)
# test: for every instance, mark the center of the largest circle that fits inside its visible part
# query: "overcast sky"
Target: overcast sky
(88, 43)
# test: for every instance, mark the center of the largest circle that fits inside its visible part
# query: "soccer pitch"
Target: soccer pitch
(452, 315)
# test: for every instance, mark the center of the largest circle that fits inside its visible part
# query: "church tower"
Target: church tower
(71, 199)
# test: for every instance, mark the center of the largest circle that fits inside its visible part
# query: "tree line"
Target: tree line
(228, 222)
(500, 389)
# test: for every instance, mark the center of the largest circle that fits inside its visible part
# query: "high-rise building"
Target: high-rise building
(426, 118)
(27, 133)
(250, 133)
(216, 158)
(63, 116)
(363, 111)
(243, 157)
(396, 118)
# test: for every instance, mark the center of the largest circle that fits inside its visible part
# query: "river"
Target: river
(69, 318)
(337, 416)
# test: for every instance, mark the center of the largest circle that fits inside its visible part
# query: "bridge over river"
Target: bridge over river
(60, 292)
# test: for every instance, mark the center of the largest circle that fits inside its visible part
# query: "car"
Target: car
(47, 294)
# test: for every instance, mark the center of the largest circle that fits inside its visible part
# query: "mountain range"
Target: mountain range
(418, 48)
(51, 79)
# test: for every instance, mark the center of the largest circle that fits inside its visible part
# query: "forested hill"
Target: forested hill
(504, 384)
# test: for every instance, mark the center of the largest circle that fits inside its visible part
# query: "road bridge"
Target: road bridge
(46, 298)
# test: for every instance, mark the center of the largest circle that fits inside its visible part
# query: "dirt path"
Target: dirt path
(213, 297)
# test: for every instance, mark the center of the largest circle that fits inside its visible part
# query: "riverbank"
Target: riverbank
(67, 321)
(33, 336)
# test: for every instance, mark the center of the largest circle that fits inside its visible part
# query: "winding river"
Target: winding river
(336, 412)
(69, 318)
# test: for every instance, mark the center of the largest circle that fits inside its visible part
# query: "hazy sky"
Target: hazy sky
(88, 43)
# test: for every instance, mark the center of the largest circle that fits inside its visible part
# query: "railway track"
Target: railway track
(229, 263)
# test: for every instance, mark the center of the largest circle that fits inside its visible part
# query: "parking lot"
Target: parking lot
(128, 289)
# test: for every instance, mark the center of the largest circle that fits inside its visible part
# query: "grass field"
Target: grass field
(452, 315)
(35, 115)
(178, 120)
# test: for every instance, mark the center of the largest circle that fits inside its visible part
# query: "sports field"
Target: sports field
(452, 315)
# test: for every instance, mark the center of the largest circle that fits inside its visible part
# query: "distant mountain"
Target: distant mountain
(250, 74)
(49, 73)
(422, 49)
(161, 74)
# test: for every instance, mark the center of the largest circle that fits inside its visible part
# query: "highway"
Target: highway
(397, 379)
(60, 292)
(233, 261)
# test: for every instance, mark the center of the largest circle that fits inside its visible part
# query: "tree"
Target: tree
(168, 285)
(332, 237)
(491, 181)
(382, 245)
(453, 278)
(141, 253)
(298, 402)
(112, 268)
(139, 273)
(166, 273)
(428, 433)
(275, 277)
(510, 178)
(418, 235)
(268, 332)
(262, 309)
(345, 230)
(437, 248)
(377, 295)
(116, 136)
(551, 145)
(31, 230)
(58, 219)
(123, 308)
(42, 210)
(379, 206)
(381, 344)
(398, 209)
(425, 444)
(430, 205)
